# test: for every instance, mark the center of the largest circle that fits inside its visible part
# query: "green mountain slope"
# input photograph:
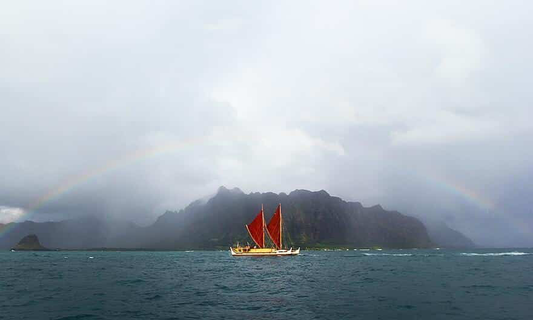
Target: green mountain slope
(311, 219)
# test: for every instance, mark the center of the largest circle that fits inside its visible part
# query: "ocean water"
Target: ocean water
(401, 284)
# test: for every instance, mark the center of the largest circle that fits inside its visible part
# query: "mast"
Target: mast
(263, 226)
(274, 228)
(280, 228)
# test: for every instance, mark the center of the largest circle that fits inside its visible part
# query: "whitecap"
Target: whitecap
(389, 254)
(91, 257)
(495, 254)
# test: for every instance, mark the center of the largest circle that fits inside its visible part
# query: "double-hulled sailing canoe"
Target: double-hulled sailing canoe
(256, 229)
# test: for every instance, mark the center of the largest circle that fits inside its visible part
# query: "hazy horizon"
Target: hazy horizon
(131, 108)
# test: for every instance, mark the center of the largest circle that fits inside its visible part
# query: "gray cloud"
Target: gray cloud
(131, 108)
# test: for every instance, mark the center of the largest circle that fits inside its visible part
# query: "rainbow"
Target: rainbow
(461, 190)
(482, 202)
(113, 164)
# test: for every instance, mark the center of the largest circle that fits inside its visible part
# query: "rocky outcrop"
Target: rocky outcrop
(29, 243)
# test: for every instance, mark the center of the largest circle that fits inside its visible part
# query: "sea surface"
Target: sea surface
(399, 284)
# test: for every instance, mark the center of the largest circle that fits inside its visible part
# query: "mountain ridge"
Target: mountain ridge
(311, 219)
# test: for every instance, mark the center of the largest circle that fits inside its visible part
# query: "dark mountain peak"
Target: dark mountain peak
(299, 192)
(224, 190)
(224, 194)
(308, 192)
(30, 239)
(29, 242)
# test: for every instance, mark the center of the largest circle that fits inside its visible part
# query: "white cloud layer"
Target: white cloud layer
(8, 214)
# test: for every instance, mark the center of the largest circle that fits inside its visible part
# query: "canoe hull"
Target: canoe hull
(238, 252)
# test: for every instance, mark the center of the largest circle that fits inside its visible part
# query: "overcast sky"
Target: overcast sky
(127, 109)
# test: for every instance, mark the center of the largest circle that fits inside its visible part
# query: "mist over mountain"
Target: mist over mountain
(311, 219)
(447, 237)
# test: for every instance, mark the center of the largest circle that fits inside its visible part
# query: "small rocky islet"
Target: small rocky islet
(29, 243)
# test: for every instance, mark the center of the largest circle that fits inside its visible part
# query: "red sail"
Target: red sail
(256, 229)
(274, 227)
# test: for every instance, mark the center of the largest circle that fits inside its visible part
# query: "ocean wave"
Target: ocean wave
(495, 254)
(389, 254)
